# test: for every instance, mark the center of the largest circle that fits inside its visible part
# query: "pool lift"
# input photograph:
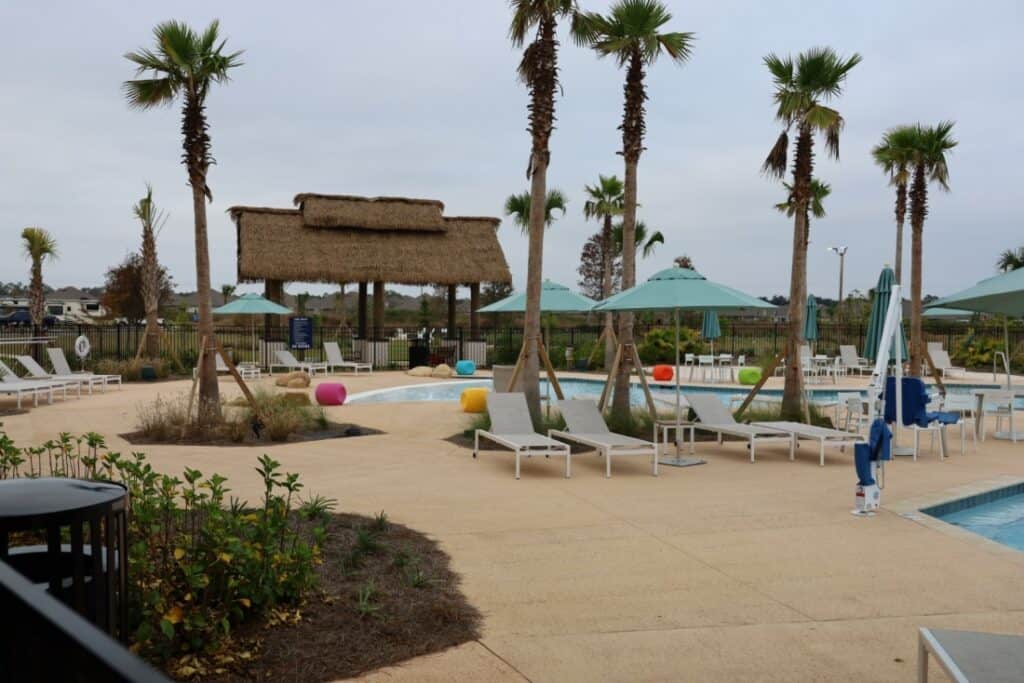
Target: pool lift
(870, 455)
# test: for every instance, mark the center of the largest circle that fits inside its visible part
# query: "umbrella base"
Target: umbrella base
(1008, 436)
(680, 461)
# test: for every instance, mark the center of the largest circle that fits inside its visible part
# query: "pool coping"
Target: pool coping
(914, 510)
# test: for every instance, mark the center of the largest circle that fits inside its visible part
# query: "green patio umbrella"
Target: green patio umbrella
(252, 305)
(554, 298)
(1001, 295)
(811, 320)
(879, 306)
(710, 329)
(678, 289)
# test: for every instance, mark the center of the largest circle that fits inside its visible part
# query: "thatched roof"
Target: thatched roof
(300, 245)
(371, 213)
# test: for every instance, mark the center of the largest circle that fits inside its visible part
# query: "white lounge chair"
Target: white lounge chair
(941, 361)
(849, 361)
(38, 372)
(21, 389)
(585, 425)
(512, 428)
(335, 360)
(713, 416)
(285, 359)
(965, 405)
(61, 367)
(50, 386)
(823, 435)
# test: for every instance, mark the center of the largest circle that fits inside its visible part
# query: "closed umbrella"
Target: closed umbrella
(876, 321)
(811, 320)
(710, 329)
(252, 305)
(677, 289)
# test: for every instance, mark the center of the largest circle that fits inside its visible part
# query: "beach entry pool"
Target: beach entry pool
(997, 515)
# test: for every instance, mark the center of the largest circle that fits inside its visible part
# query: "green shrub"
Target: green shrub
(658, 345)
(978, 352)
(131, 370)
(199, 563)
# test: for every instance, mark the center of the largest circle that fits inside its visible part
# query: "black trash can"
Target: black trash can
(419, 353)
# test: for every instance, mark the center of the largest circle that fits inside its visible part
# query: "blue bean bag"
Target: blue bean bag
(465, 368)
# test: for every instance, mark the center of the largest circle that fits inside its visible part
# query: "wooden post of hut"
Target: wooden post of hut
(474, 317)
(362, 311)
(274, 291)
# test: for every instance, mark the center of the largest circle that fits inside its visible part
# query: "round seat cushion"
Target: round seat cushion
(331, 394)
(749, 376)
(662, 373)
(474, 400)
(465, 367)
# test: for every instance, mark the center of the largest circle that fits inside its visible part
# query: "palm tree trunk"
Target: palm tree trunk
(150, 293)
(606, 289)
(792, 392)
(37, 305)
(918, 213)
(534, 277)
(901, 213)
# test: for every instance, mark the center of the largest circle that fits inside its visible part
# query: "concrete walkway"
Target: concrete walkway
(725, 572)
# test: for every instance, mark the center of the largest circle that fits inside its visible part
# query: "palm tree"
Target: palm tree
(1011, 259)
(893, 155)
(928, 161)
(631, 34)
(604, 201)
(186, 63)
(816, 205)
(39, 246)
(517, 206)
(801, 87)
(152, 220)
(537, 20)
(227, 291)
(644, 243)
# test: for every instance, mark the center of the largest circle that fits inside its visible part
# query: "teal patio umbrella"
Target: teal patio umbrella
(879, 306)
(252, 305)
(710, 329)
(811, 320)
(677, 289)
(554, 298)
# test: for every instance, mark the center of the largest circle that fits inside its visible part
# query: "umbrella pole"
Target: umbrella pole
(677, 461)
(1006, 344)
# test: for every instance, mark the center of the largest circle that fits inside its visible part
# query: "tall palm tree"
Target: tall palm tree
(604, 202)
(928, 162)
(801, 87)
(631, 34)
(893, 155)
(644, 243)
(537, 21)
(186, 64)
(517, 207)
(39, 246)
(1011, 259)
(152, 220)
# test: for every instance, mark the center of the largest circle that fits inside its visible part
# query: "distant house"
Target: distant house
(67, 304)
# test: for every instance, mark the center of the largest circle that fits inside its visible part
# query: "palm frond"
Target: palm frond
(775, 163)
(150, 92)
(38, 244)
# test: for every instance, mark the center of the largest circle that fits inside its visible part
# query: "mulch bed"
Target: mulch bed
(415, 608)
(333, 431)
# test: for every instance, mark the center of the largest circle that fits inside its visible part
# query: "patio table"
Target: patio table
(1008, 395)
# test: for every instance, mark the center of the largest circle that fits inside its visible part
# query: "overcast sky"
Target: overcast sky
(420, 99)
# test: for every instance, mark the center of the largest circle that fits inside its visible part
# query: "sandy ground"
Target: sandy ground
(724, 572)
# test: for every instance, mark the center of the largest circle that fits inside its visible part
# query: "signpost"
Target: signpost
(300, 333)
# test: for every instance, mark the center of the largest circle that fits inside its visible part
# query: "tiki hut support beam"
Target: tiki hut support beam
(274, 291)
(378, 310)
(362, 310)
(451, 312)
(474, 317)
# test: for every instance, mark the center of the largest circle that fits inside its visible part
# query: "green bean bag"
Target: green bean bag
(749, 376)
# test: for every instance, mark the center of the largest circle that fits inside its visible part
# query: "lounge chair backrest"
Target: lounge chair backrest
(849, 355)
(221, 365)
(940, 359)
(59, 362)
(709, 409)
(502, 375)
(509, 414)
(7, 374)
(333, 353)
(934, 346)
(583, 417)
(805, 352)
(286, 357)
(34, 368)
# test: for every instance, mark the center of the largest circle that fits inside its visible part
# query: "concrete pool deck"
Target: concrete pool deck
(726, 572)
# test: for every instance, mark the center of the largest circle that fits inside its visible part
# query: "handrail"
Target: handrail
(1006, 366)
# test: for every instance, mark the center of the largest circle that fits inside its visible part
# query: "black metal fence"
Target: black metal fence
(754, 338)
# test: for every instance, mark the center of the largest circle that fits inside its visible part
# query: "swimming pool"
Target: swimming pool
(997, 515)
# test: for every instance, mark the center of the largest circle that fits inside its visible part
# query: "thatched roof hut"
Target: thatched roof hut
(340, 238)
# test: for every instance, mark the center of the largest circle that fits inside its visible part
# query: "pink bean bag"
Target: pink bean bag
(331, 394)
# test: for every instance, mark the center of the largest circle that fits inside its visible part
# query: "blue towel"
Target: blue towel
(915, 404)
(878, 448)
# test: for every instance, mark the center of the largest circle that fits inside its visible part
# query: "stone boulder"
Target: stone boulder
(293, 380)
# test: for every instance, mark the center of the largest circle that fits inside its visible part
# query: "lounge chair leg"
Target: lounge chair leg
(917, 442)
(517, 463)
(821, 454)
(568, 464)
(751, 447)
(607, 464)
(476, 444)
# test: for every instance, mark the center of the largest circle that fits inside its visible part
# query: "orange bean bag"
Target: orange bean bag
(474, 400)
(662, 373)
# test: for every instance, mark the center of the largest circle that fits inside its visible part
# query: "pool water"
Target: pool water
(996, 515)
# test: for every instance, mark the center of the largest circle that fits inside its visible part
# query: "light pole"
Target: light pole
(841, 251)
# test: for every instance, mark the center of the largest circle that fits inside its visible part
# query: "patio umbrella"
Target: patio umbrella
(1002, 295)
(252, 305)
(554, 298)
(710, 329)
(879, 306)
(811, 320)
(677, 289)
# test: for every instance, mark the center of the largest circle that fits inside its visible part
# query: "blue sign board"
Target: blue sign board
(300, 333)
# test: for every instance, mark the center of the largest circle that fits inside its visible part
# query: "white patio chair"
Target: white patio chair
(512, 428)
(585, 425)
(336, 360)
(62, 367)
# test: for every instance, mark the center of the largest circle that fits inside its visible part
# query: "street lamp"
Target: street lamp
(841, 251)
